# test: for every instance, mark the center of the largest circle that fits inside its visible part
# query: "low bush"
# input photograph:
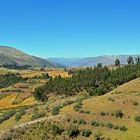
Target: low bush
(56, 110)
(135, 103)
(81, 111)
(82, 121)
(102, 113)
(95, 123)
(123, 128)
(109, 125)
(99, 136)
(73, 131)
(87, 112)
(86, 132)
(56, 130)
(118, 114)
(137, 118)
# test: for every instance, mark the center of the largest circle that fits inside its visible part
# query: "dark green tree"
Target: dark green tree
(137, 59)
(117, 62)
(99, 65)
(130, 60)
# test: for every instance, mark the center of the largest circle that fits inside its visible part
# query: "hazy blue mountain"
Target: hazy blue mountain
(64, 61)
(91, 61)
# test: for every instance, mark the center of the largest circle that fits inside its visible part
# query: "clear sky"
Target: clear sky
(71, 28)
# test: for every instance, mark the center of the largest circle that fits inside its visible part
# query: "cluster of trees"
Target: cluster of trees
(9, 79)
(130, 61)
(97, 81)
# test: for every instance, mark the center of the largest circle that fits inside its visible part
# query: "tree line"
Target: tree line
(15, 66)
(130, 61)
(97, 81)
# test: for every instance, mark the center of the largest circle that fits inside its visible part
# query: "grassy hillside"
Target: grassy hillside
(17, 103)
(103, 111)
(97, 114)
(113, 116)
(11, 55)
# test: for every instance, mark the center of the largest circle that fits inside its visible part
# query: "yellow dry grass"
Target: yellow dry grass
(7, 102)
(128, 93)
(31, 73)
(130, 87)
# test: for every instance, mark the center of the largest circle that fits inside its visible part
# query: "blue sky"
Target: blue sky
(71, 28)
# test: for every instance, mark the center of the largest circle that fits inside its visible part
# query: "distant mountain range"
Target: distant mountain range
(91, 61)
(9, 55)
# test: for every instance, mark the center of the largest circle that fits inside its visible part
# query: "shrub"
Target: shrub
(78, 106)
(68, 120)
(112, 114)
(95, 123)
(135, 103)
(102, 113)
(87, 112)
(123, 128)
(39, 94)
(81, 111)
(56, 110)
(82, 121)
(118, 114)
(99, 136)
(110, 125)
(137, 118)
(56, 130)
(73, 131)
(86, 132)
